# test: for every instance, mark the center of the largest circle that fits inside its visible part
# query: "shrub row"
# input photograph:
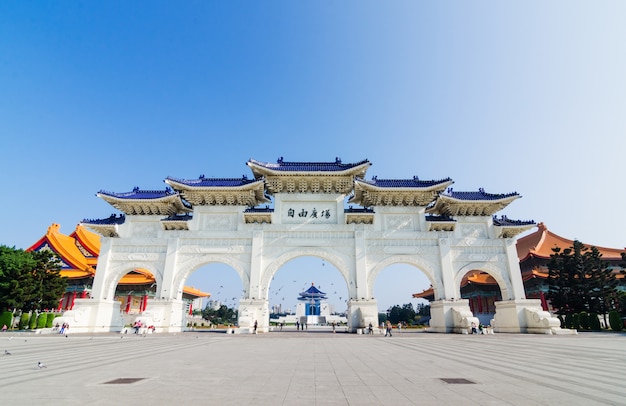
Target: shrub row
(584, 321)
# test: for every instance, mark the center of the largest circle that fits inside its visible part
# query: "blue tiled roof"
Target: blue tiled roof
(405, 183)
(358, 210)
(312, 292)
(433, 217)
(505, 221)
(179, 217)
(259, 210)
(480, 195)
(281, 165)
(214, 182)
(111, 220)
(140, 194)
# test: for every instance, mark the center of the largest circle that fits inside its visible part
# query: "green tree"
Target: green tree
(404, 313)
(15, 268)
(29, 280)
(222, 315)
(48, 284)
(580, 280)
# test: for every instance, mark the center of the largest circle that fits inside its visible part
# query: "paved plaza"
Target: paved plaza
(314, 367)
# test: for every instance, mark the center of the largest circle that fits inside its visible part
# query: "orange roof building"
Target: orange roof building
(79, 257)
(533, 251)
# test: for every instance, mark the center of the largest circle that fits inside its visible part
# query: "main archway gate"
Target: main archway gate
(323, 209)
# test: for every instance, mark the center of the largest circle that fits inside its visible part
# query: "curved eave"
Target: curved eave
(510, 231)
(191, 291)
(368, 186)
(166, 205)
(105, 230)
(89, 240)
(135, 279)
(260, 171)
(76, 274)
(450, 206)
(419, 196)
(64, 246)
(197, 195)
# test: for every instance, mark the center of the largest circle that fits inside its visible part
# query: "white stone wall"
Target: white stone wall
(306, 225)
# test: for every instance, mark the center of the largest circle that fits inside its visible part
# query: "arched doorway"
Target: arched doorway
(223, 286)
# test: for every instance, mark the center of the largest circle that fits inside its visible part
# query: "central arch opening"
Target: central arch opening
(219, 309)
(393, 290)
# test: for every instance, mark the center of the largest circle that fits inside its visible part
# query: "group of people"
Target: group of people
(480, 329)
(61, 329)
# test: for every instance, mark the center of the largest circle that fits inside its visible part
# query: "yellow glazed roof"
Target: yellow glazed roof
(83, 265)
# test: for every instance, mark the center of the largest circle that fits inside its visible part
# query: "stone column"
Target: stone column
(166, 289)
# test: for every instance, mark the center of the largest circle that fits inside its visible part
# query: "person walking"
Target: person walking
(255, 326)
(388, 329)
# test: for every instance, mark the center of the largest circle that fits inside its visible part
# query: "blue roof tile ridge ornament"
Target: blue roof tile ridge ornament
(404, 183)
(137, 193)
(179, 217)
(203, 181)
(480, 195)
(113, 219)
(265, 209)
(505, 221)
(282, 165)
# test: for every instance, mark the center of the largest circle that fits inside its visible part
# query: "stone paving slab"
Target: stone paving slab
(313, 368)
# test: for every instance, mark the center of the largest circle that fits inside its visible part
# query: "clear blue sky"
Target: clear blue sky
(508, 96)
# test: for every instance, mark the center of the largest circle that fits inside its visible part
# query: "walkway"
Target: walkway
(313, 368)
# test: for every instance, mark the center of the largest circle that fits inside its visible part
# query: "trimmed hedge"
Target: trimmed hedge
(32, 322)
(50, 319)
(576, 321)
(615, 321)
(23, 324)
(42, 318)
(594, 322)
(584, 320)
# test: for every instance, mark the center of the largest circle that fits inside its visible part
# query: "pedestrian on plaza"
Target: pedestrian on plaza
(297, 325)
(474, 330)
(333, 327)
(370, 329)
(255, 326)
(388, 329)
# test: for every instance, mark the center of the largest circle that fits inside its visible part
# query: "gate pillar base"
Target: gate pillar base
(167, 316)
(93, 316)
(524, 316)
(361, 313)
(451, 316)
(251, 310)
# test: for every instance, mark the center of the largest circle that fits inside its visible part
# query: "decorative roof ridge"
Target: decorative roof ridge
(136, 190)
(466, 195)
(504, 220)
(281, 163)
(415, 179)
(113, 219)
(438, 217)
(203, 178)
(265, 209)
(178, 217)
(351, 209)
